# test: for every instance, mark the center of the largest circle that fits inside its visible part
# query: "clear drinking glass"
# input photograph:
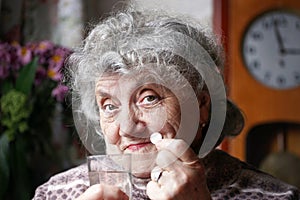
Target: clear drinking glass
(111, 169)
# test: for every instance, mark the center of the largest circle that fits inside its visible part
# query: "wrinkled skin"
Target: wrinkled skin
(129, 112)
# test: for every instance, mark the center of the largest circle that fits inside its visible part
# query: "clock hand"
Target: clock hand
(278, 36)
(291, 51)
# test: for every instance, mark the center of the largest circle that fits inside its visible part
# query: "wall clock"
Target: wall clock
(271, 49)
(262, 44)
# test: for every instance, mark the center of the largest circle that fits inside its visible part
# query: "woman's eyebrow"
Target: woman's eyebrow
(102, 93)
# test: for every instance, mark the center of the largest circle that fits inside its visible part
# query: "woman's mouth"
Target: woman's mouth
(138, 146)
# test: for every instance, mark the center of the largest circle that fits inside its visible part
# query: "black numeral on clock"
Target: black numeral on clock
(281, 80)
(250, 50)
(255, 64)
(297, 78)
(257, 36)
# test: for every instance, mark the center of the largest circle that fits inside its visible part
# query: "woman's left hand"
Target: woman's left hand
(183, 173)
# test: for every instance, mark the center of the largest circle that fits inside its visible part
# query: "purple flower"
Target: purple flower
(5, 60)
(24, 55)
(59, 92)
(43, 46)
(57, 60)
(40, 75)
(42, 50)
(51, 59)
(15, 59)
(53, 73)
(4, 71)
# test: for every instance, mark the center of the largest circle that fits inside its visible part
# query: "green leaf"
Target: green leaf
(20, 178)
(22, 181)
(4, 164)
(26, 77)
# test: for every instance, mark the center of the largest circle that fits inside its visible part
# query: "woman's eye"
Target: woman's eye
(150, 99)
(109, 107)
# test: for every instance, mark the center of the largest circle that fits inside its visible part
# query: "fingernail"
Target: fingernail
(155, 137)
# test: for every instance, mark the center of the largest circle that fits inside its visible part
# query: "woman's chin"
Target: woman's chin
(142, 164)
(143, 175)
(143, 159)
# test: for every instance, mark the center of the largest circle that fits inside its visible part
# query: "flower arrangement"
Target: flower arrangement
(30, 89)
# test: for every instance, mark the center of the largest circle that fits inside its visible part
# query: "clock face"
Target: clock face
(271, 49)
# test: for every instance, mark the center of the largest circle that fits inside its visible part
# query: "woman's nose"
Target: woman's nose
(131, 123)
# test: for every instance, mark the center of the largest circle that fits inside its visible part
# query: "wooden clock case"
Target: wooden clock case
(261, 105)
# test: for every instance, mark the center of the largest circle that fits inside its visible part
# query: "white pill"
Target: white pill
(155, 137)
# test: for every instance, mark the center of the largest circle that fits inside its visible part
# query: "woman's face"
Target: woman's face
(131, 109)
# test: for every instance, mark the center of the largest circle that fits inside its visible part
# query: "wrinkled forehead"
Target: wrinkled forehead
(131, 80)
(162, 77)
(127, 85)
(145, 74)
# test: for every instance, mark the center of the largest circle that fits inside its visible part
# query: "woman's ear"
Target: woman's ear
(204, 103)
(204, 107)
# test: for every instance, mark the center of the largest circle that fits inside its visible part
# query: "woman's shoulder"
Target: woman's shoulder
(65, 185)
(237, 179)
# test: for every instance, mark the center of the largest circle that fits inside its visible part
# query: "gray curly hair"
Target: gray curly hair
(121, 44)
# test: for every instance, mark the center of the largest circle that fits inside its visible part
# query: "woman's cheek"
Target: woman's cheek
(109, 130)
(173, 113)
(155, 118)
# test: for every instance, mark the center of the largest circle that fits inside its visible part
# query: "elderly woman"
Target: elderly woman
(144, 73)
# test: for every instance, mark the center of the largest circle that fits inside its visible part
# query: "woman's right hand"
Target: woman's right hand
(100, 192)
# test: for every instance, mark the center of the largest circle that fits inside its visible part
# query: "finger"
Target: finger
(179, 148)
(166, 160)
(101, 191)
(155, 191)
(156, 173)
